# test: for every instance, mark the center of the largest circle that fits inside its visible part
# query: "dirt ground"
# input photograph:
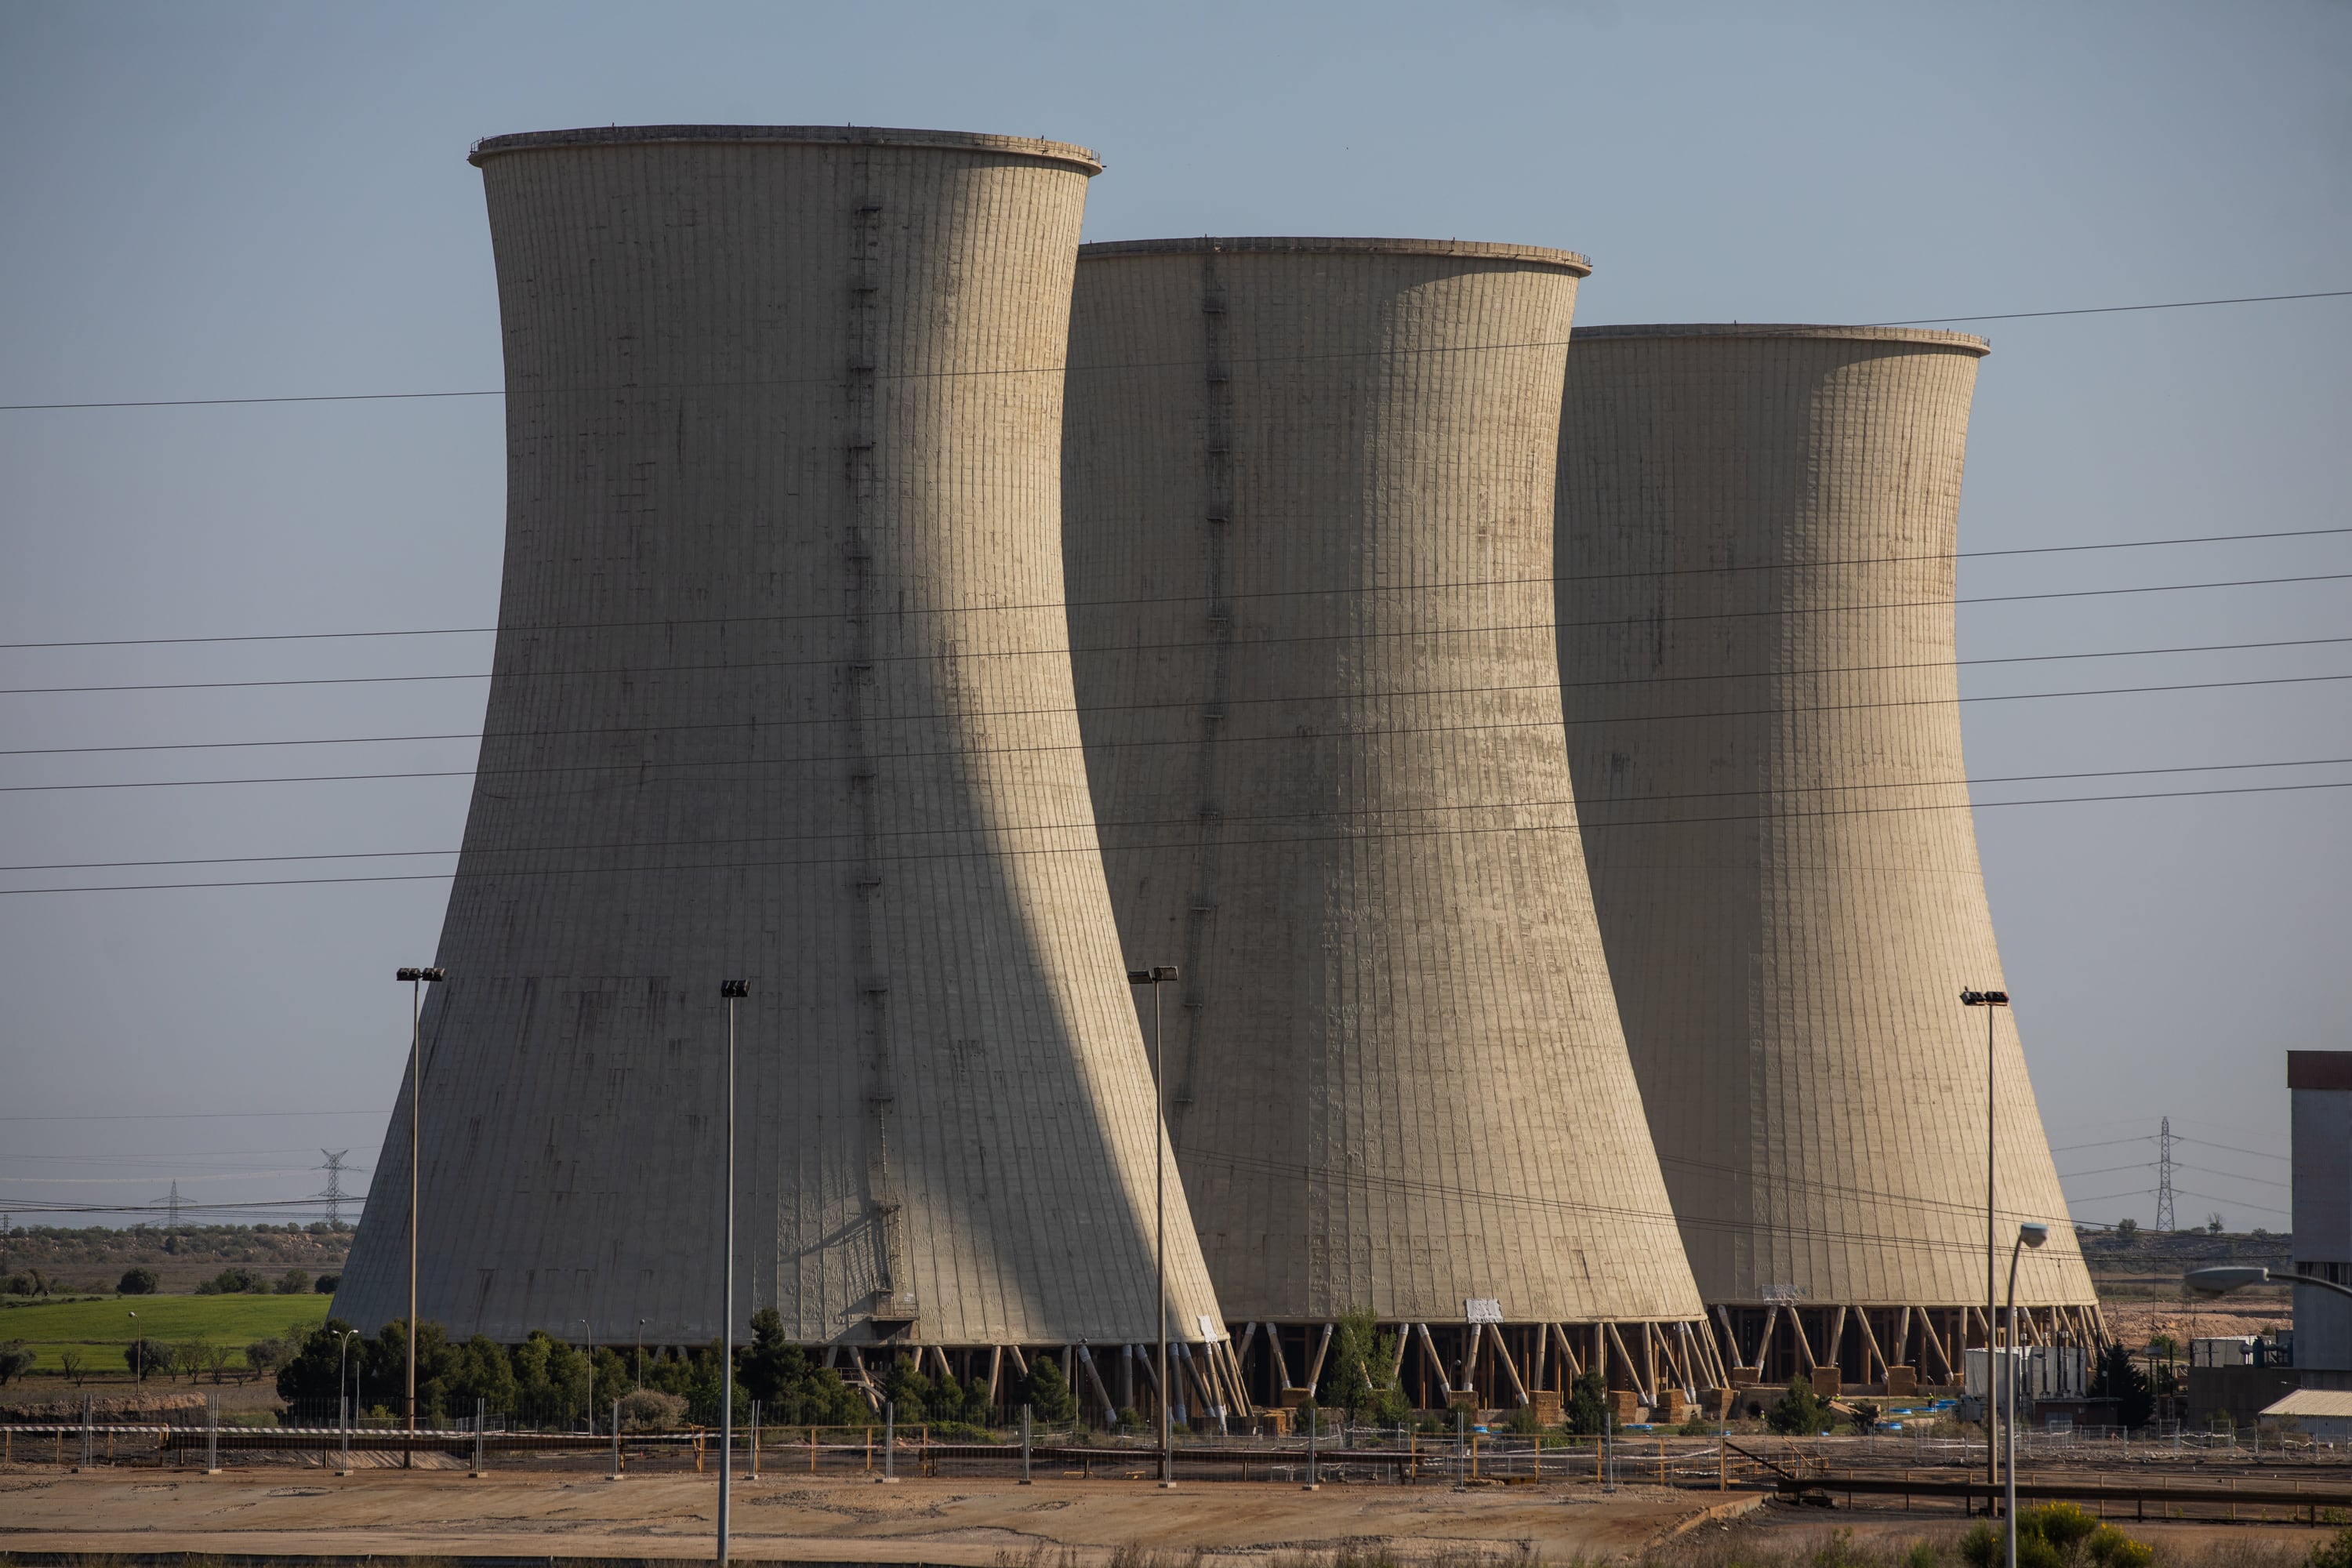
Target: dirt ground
(959, 1523)
(934, 1521)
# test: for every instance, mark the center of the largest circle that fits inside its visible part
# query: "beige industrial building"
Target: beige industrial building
(1757, 528)
(782, 692)
(1307, 491)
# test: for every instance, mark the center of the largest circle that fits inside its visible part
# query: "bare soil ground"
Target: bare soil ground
(1056, 1524)
(1077, 1524)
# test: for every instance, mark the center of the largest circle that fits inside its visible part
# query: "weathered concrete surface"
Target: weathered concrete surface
(942, 1521)
(781, 692)
(1757, 528)
(1307, 498)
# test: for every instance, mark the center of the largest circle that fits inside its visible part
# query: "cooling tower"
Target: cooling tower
(781, 691)
(1307, 491)
(1757, 528)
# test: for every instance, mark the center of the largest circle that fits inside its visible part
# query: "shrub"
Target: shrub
(266, 1356)
(1588, 1404)
(650, 1410)
(294, 1282)
(1799, 1411)
(2333, 1554)
(2059, 1535)
(1865, 1417)
(148, 1358)
(1047, 1391)
(16, 1359)
(327, 1284)
(139, 1281)
(233, 1281)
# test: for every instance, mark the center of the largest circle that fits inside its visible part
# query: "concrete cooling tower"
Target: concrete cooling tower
(781, 691)
(1757, 528)
(1307, 489)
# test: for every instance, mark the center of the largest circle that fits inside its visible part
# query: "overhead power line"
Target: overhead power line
(1252, 595)
(833, 379)
(1057, 652)
(1279, 698)
(1099, 823)
(995, 852)
(642, 765)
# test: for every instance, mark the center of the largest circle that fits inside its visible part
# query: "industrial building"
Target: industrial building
(1307, 491)
(781, 693)
(1757, 528)
(2319, 1084)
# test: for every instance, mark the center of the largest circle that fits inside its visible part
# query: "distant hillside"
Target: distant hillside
(91, 1260)
(2150, 1262)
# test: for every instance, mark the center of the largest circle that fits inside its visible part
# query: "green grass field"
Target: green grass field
(97, 1329)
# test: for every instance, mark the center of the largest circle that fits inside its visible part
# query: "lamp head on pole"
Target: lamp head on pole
(1984, 998)
(734, 990)
(2032, 1233)
(430, 976)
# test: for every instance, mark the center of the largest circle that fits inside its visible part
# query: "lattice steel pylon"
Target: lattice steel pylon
(2164, 1220)
(171, 1208)
(334, 1194)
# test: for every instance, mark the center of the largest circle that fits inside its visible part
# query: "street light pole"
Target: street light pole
(416, 979)
(1154, 977)
(734, 991)
(591, 1333)
(2030, 1234)
(1989, 1000)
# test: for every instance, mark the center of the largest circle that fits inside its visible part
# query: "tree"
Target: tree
(192, 1357)
(2213, 1225)
(327, 1284)
(1047, 1391)
(2127, 1226)
(71, 1361)
(792, 1390)
(148, 1358)
(1800, 1411)
(266, 1356)
(294, 1282)
(1588, 1404)
(139, 1281)
(2117, 1378)
(1363, 1380)
(16, 1359)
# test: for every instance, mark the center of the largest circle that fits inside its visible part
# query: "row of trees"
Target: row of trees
(544, 1380)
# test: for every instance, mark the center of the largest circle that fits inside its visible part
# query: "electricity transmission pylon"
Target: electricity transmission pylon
(2164, 1176)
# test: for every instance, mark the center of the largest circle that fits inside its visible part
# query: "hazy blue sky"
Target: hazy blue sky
(247, 200)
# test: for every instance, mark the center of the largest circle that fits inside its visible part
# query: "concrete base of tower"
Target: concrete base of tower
(1664, 1367)
(1892, 1350)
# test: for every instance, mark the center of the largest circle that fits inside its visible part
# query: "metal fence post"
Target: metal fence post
(343, 1413)
(755, 1439)
(1313, 1428)
(211, 1434)
(616, 1442)
(86, 1455)
(889, 1439)
(481, 1444)
(1025, 1445)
